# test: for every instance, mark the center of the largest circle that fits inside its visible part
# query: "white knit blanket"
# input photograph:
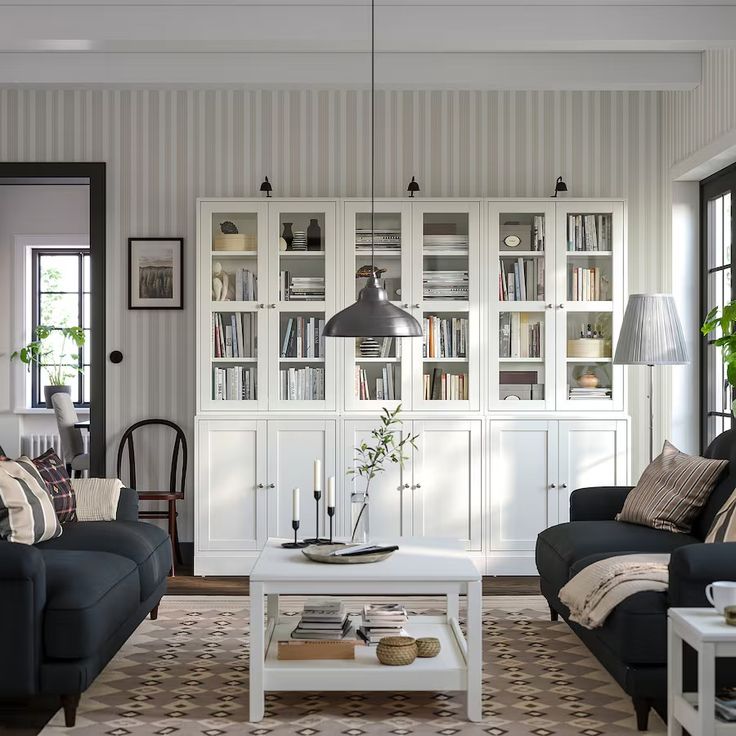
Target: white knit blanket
(97, 498)
(597, 589)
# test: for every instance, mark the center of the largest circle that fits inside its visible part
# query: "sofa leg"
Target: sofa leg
(553, 615)
(154, 612)
(642, 706)
(69, 703)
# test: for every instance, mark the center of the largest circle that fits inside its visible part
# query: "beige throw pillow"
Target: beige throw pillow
(671, 490)
(723, 528)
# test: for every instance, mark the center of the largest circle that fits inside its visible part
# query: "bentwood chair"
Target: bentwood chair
(76, 458)
(169, 497)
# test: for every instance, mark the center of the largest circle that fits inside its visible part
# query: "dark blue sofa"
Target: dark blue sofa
(67, 605)
(632, 644)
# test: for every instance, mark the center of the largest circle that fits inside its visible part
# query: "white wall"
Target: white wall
(32, 210)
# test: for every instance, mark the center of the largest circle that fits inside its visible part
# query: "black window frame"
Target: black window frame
(38, 252)
(711, 188)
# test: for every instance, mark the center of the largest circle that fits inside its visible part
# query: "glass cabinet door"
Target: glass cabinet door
(380, 367)
(589, 305)
(301, 299)
(521, 268)
(232, 371)
(445, 300)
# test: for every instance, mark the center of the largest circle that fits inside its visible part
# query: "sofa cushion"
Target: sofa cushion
(723, 447)
(561, 546)
(724, 525)
(145, 544)
(89, 595)
(53, 471)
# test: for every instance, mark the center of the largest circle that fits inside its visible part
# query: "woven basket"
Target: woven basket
(396, 650)
(428, 646)
(235, 241)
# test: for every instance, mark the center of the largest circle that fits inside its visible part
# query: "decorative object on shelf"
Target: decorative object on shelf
(266, 187)
(515, 236)
(651, 334)
(317, 485)
(388, 446)
(296, 544)
(331, 504)
(220, 283)
(396, 651)
(365, 272)
(587, 378)
(58, 362)
(560, 186)
(428, 646)
(373, 315)
(229, 238)
(413, 187)
(287, 234)
(155, 273)
(723, 318)
(299, 241)
(283, 245)
(369, 348)
(314, 235)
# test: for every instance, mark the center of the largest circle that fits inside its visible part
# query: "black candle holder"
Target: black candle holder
(331, 514)
(296, 544)
(316, 539)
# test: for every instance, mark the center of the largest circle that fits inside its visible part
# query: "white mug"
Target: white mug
(721, 594)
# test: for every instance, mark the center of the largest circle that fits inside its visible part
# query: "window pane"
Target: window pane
(87, 347)
(59, 273)
(727, 228)
(87, 314)
(70, 379)
(87, 276)
(86, 381)
(60, 310)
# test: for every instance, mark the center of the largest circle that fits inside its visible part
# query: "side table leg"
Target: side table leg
(257, 652)
(674, 678)
(272, 607)
(706, 689)
(475, 651)
(453, 606)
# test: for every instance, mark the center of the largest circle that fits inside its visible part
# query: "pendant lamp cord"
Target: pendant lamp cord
(373, 135)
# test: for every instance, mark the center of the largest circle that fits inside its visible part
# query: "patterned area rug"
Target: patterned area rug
(187, 674)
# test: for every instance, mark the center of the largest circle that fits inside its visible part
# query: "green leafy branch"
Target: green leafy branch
(724, 318)
(57, 364)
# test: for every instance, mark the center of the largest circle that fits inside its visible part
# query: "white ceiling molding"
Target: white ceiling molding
(542, 71)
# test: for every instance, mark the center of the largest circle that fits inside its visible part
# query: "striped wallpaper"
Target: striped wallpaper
(166, 147)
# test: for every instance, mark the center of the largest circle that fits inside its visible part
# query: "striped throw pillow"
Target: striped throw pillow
(26, 511)
(723, 528)
(671, 490)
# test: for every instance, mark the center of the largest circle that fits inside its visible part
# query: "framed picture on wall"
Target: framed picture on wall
(155, 273)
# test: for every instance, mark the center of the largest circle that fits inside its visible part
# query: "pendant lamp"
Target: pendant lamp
(373, 315)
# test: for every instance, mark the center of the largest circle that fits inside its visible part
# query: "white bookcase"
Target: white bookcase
(540, 408)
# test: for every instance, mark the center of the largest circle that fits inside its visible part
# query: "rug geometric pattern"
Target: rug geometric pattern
(186, 674)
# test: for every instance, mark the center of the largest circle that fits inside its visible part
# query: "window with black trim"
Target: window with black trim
(718, 230)
(61, 298)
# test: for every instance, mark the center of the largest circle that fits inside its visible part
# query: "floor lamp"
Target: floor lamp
(651, 334)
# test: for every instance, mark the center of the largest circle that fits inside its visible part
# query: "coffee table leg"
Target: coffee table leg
(475, 652)
(272, 609)
(453, 606)
(257, 652)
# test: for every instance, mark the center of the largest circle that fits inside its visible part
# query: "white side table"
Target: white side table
(710, 636)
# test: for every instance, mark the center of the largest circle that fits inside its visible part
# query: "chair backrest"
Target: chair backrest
(72, 441)
(723, 447)
(180, 445)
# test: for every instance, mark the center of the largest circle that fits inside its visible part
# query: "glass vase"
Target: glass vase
(359, 518)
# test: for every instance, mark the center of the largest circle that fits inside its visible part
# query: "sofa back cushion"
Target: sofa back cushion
(26, 512)
(724, 525)
(672, 490)
(52, 470)
(723, 447)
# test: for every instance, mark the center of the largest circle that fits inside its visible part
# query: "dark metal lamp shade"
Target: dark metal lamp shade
(266, 187)
(372, 315)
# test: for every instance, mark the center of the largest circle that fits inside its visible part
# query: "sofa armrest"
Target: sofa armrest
(694, 566)
(127, 505)
(600, 503)
(23, 596)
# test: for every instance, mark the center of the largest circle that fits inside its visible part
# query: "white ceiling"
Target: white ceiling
(474, 44)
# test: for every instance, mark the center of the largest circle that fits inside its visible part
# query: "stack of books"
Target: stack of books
(445, 338)
(302, 384)
(301, 288)
(246, 285)
(386, 240)
(521, 280)
(303, 338)
(237, 383)
(385, 385)
(323, 619)
(589, 232)
(446, 285)
(587, 284)
(577, 392)
(233, 335)
(382, 619)
(441, 386)
(519, 337)
(726, 708)
(452, 244)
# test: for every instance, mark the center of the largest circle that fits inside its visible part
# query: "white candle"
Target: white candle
(318, 475)
(295, 504)
(331, 492)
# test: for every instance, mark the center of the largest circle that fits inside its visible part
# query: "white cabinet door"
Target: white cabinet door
(592, 453)
(523, 479)
(293, 446)
(390, 491)
(447, 487)
(231, 494)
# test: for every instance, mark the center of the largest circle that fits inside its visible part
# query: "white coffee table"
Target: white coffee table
(710, 636)
(420, 567)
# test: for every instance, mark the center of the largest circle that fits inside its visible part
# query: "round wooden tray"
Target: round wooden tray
(321, 552)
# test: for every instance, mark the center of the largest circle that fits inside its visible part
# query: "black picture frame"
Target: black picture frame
(176, 299)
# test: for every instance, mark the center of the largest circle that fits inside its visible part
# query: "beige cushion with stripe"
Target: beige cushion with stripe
(26, 510)
(672, 490)
(723, 528)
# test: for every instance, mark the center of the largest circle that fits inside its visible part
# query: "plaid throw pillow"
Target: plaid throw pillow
(52, 470)
(671, 490)
(723, 528)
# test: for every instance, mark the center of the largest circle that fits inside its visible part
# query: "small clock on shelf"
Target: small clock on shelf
(515, 236)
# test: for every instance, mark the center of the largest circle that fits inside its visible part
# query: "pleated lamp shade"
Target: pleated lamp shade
(651, 333)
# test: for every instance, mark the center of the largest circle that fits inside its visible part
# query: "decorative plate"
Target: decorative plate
(321, 553)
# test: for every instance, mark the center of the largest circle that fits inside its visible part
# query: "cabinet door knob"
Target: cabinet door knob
(417, 306)
(406, 485)
(553, 485)
(273, 306)
(418, 485)
(564, 485)
(561, 306)
(272, 485)
(260, 306)
(550, 306)
(260, 485)
(405, 306)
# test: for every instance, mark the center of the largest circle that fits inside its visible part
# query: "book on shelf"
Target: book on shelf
(302, 384)
(246, 285)
(439, 385)
(384, 240)
(450, 243)
(384, 384)
(444, 337)
(303, 338)
(538, 233)
(518, 337)
(301, 288)
(521, 279)
(323, 619)
(382, 619)
(446, 285)
(233, 335)
(589, 233)
(601, 392)
(587, 284)
(234, 383)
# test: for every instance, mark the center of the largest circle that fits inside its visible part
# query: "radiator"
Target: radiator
(33, 445)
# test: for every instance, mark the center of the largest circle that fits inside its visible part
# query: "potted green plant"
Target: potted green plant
(57, 361)
(724, 317)
(370, 459)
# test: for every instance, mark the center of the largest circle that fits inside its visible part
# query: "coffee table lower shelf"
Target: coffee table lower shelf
(446, 671)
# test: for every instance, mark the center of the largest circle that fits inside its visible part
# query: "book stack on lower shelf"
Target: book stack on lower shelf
(302, 384)
(303, 338)
(579, 392)
(385, 388)
(445, 338)
(323, 618)
(439, 385)
(235, 383)
(518, 336)
(382, 619)
(445, 285)
(233, 335)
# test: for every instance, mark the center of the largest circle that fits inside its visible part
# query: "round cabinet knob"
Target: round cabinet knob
(116, 356)
(550, 306)
(260, 306)
(553, 485)
(561, 306)
(273, 306)
(272, 485)
(260, 485)
(405, 306)
(417, 306)
(564, 485)
(406, 485)
(418, 485)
